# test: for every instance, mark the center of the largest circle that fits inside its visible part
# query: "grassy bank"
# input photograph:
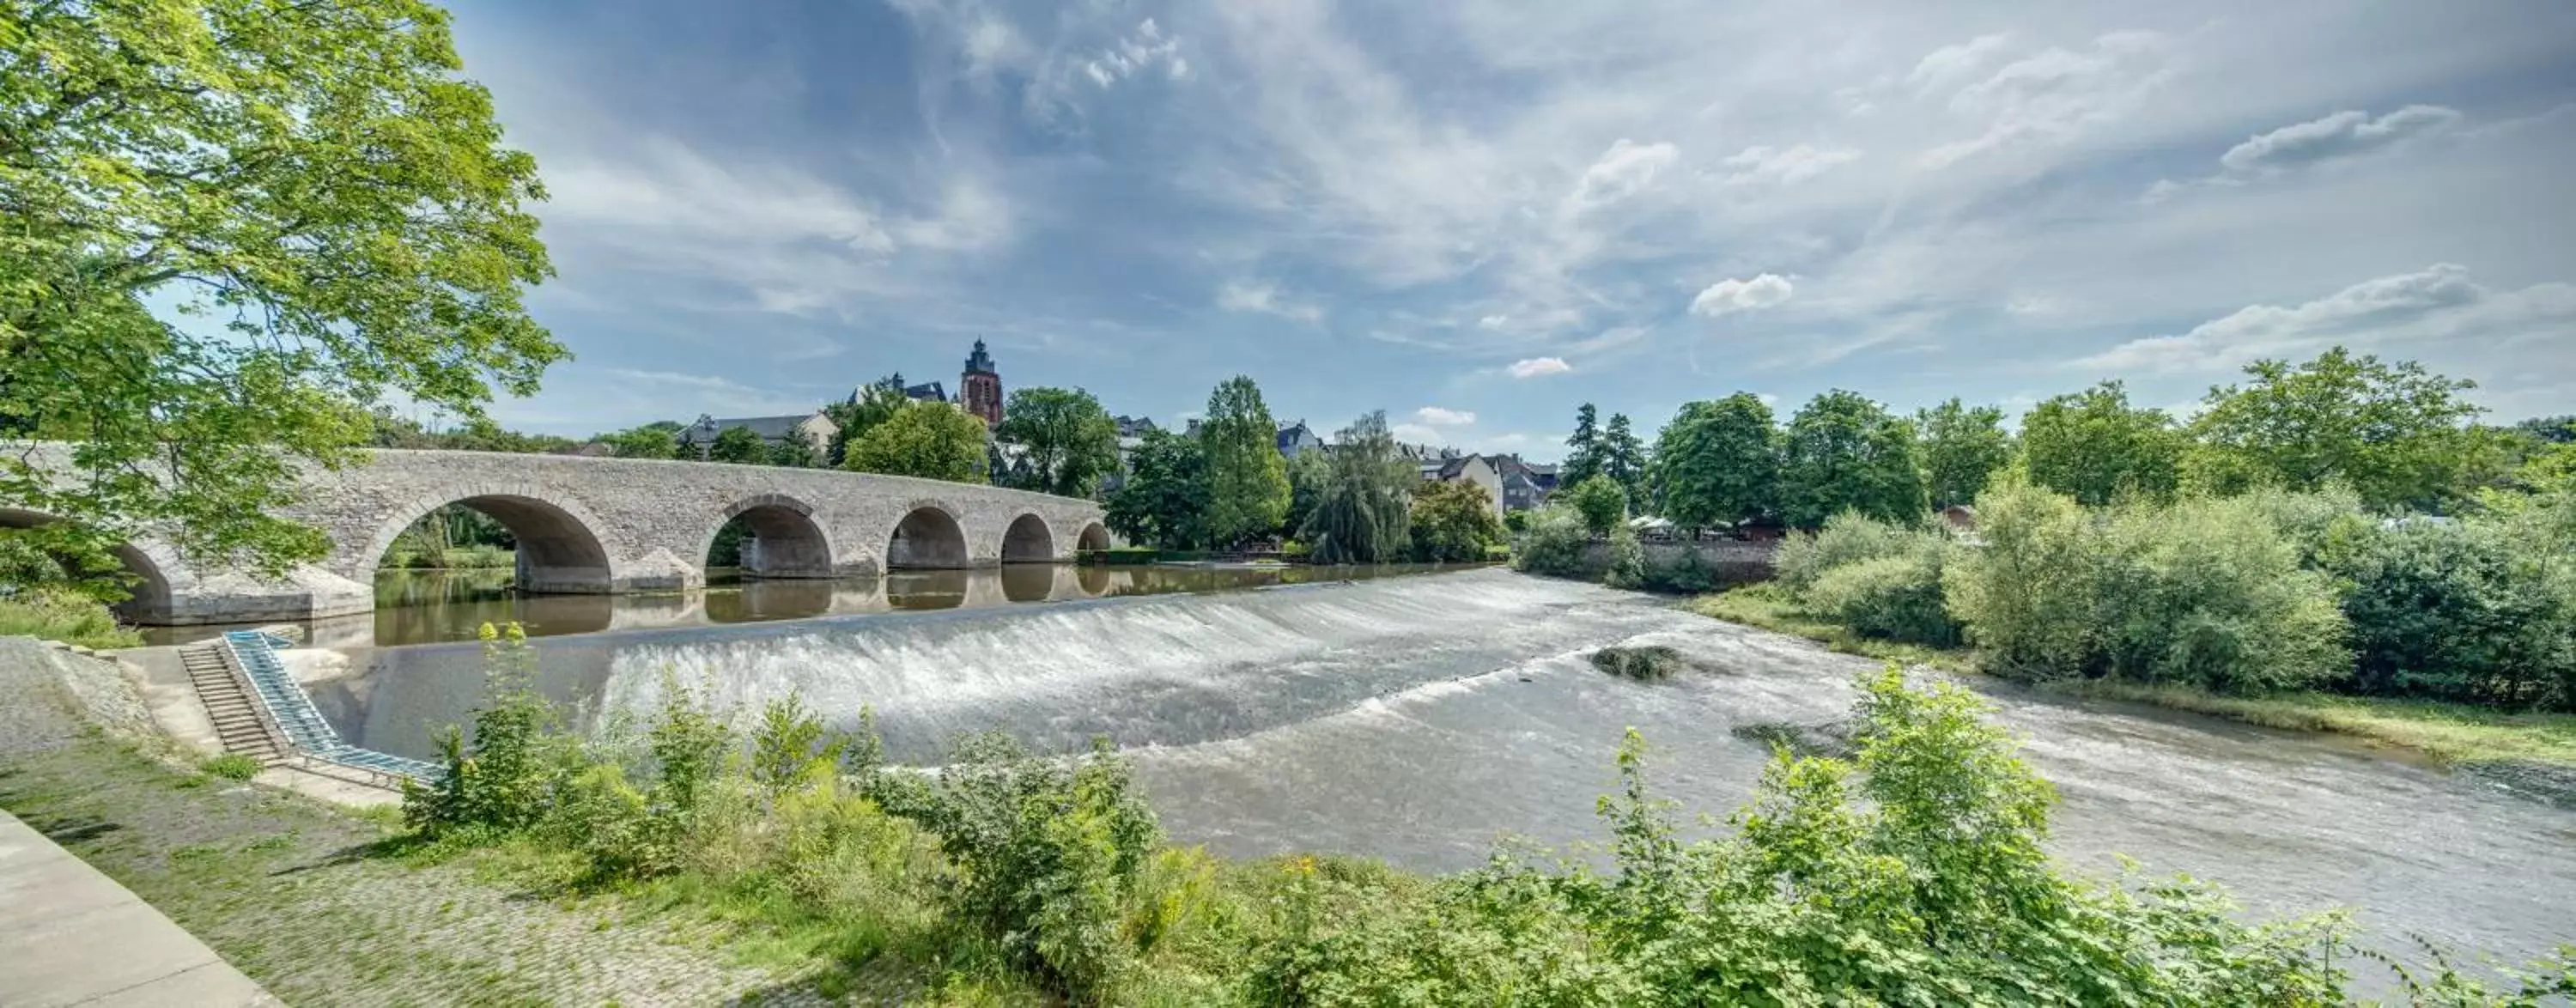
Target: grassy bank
(2455, 734)
(65, 617)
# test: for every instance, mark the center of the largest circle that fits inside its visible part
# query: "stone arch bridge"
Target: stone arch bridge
(607, 526)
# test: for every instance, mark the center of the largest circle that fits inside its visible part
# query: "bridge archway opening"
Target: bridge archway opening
(1094, 537)
(546, 549)
(771, 539)
(928, 538)
(1028, 541)
(32, 558)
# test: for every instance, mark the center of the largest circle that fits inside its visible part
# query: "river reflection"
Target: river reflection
(431, 607)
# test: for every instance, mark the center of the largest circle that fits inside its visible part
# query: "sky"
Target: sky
(1477, 215)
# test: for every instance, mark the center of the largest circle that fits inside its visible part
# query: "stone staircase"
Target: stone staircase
(237, 722)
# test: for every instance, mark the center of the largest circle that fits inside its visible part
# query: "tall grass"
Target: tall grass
(64, 616)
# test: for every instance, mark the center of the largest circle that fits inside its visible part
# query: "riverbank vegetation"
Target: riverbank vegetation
(1915, 865)
(69, 617)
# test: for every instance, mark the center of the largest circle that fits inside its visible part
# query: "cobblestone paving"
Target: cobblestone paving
(278, 885)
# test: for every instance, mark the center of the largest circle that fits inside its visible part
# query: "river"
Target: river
(1419, 719)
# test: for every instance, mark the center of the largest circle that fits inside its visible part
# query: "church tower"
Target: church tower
(980, 388)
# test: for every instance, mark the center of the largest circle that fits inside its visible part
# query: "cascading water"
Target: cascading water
(1421, 718)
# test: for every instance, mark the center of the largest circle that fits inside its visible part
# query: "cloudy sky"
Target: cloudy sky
(1477, 215)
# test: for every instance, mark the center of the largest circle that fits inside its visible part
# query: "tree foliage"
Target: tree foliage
(311, 187)
(1454, 522)
(2094, 447)
(1164, 500)
(657, 440)
(1717, 463)
(1247, 477)
(1623, 457)
(738, 445)
(1600, 501)
(873, 404)
(929, 440)
(2397, 434)
(1963, 447)
(1363, 512)
(1843, 453)
(1583, 455)
(1068, 441)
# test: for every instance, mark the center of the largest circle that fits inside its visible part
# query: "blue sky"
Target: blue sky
(1476, 216)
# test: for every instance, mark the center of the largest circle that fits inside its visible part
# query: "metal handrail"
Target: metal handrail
(302, 727)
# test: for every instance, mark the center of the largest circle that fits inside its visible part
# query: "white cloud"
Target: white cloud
(2341, 135)
(1539, 366)
(1783, 167)
(1728, 296)
(2055, 94)
(1951, 64)
(1413, 433)
(1493, 322)
(1255, 296)
(1136, 53)
(1436, 416)
(1624, 170)
(2436, 307)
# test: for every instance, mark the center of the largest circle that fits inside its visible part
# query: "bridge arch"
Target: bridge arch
(558, 551)
(1028, 540)
(928, 537)
(148, 597)
(1095, 536)
(784, 540)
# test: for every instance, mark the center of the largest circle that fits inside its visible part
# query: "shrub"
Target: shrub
(2025, 593)
(2481, 610)
(62, 615)
(1627, 559)
(231, 767)
(1897, 597)
(1601, 501)
(1045, 853)
(1847, 538)
(2209, 592)
(1648, 663)
(504, 778)
(1553, 545)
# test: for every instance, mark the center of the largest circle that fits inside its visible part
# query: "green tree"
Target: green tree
(739, 446)
(657, 440)
(1582, 450)
(793, 452)
(1601, 502)
(1068, 441)
(1963, 447)
(1247, 477)
(1623, 456)
(2397, 434)
(873, 405)
(929, 440)
(1164, 500)
(1718, 462)
(1454, 522)
(313, 186)
(2093, 446)
(1308, 473)
(1362, 514)
(1846, 453)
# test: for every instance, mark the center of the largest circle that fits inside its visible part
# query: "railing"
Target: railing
(304, 731)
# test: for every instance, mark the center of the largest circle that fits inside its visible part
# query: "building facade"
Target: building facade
(979, 389)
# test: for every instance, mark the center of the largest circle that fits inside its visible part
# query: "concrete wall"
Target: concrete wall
(1732, 561)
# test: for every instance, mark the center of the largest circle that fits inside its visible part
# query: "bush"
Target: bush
(231, 767)
(1601, 501)
(1627, 559)
(1554, 544)
(62, 615)
(1045, 853)
(2209, 592)
(1847, 538)
(2481, 610)
(506, 776)
(2026, 592)
(1122, 556)
(1648, 663)
(1896, 597)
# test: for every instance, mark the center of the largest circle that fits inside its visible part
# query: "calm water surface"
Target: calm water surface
(1421, 718)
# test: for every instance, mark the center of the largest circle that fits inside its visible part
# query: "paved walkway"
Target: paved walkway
(71, 936)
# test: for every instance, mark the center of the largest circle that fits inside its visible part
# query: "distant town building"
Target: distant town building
(1526, 485)
(814, 429)
(1296, 437)
(1476, 469)
(979, 389)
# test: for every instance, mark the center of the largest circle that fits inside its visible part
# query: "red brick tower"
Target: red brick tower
(980, 388)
